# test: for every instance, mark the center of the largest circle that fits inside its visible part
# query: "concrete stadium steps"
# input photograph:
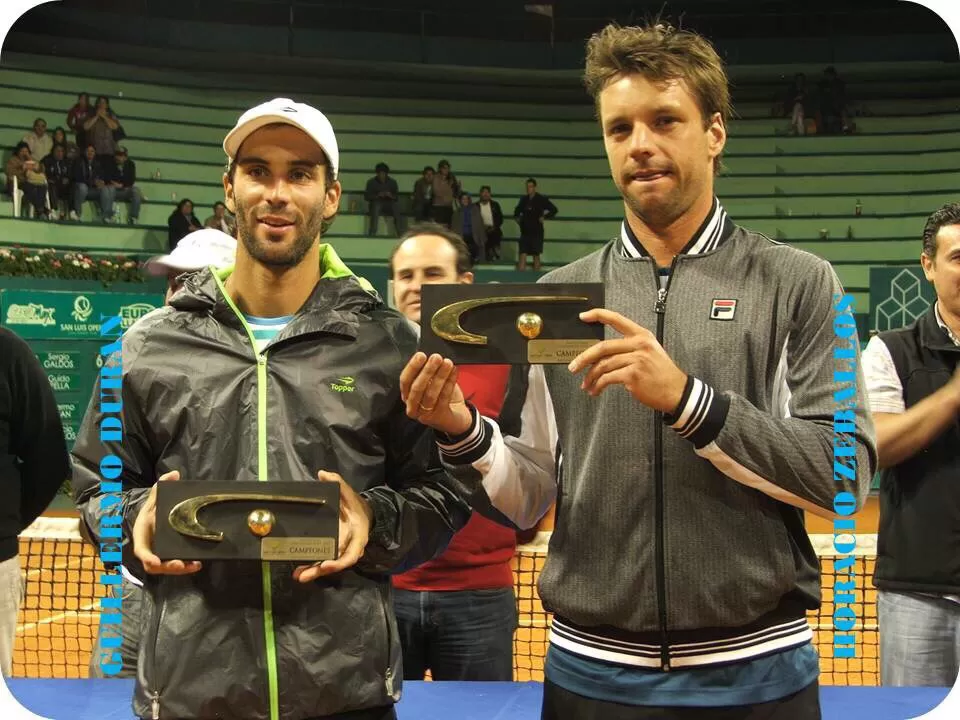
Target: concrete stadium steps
(825, 205)
(846, 144)
(412, 163)
(156, 120)
(873, 85)
(869, 104)
(218, 103)
(438, 143)
(790, 186)
(93, 237)
(847, 163)
(773, 206)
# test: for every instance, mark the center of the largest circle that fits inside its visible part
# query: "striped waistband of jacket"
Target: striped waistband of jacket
(643, 650)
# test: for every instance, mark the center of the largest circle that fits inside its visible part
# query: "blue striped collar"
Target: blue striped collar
(712, 233)
(268, 322)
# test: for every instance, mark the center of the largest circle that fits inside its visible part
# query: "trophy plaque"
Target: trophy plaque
(508, 323)
(282, 521)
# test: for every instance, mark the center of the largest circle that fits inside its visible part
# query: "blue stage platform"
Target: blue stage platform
(110, 700)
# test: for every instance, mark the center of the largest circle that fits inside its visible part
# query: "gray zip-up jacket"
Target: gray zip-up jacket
(680, 541)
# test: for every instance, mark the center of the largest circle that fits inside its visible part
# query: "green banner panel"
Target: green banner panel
(898, 296)
(63, 315)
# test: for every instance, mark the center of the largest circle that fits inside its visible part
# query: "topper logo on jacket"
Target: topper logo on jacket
(723, 309)
(343, 385)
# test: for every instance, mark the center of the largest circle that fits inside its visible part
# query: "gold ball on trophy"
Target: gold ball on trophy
(529, 324)
(260, 522)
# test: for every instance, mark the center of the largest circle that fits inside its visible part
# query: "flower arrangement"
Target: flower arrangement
(49, 263)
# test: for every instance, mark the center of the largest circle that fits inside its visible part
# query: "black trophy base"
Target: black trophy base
(509, 323)
(276, 521)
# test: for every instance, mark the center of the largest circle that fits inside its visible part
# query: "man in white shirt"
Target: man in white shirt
(492, 217)
(914, 393)
(39, 142)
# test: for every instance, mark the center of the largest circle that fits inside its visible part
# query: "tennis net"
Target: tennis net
(61, 601)
(59, 615)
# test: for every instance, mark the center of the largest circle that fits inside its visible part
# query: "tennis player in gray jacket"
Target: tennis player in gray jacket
(683, 450)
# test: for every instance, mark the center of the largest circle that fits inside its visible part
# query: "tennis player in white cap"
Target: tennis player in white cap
(283, 367)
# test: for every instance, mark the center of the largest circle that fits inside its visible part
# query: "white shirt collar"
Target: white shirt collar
(943, 326)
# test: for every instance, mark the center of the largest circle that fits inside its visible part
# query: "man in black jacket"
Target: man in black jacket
(284, 367)
(89, 183)
(59, 178)
(33, 465)
(914, 391)
(121, 178)
(532, 209)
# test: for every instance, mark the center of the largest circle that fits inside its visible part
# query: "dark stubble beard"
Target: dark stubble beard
(306, 235)
(656, 216)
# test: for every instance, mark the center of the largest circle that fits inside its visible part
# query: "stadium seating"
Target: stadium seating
(903, 162)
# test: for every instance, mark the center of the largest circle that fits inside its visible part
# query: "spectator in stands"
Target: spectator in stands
(30, 178)
(832, 116)
(221, 220)
(39, 141)
(446, 188)
(532, 209)
(181, 223)
(121, 177)
(457, 613)
(34, 464)
(76, 118)
(468, 221)
(59, 172)
(423, 195)
(794, 104)
(492, 217)
(382, 194)
(100, 130)
(70, 149)
(913, 382)
(89, 183)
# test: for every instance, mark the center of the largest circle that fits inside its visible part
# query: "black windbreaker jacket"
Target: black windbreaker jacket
(245, 640)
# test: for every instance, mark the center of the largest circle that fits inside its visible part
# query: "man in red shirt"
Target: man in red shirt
(457, 613)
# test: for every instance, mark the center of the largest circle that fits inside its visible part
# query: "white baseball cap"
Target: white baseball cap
(283, 110)
(195, 251)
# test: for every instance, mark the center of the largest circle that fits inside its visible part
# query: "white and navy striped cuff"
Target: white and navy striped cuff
(701, 413)
(470, 446)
